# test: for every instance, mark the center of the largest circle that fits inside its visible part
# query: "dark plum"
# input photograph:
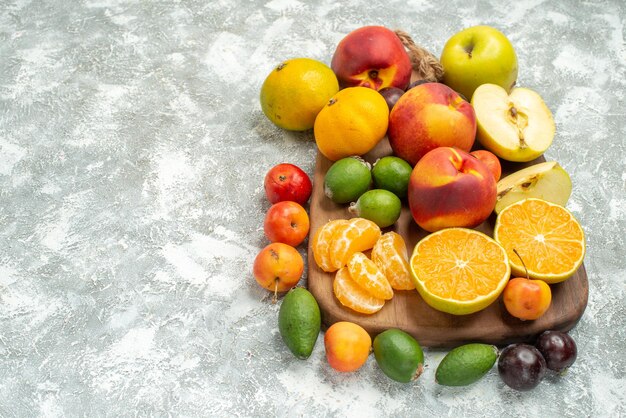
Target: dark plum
(417, 83)
(391, 95)
(521, 366)
(558, 348)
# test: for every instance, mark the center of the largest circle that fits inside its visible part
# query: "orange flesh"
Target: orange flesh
(358, 235)
(546, 236)
(460, 266)
(352, 296)
(390, 255)
(369, 277)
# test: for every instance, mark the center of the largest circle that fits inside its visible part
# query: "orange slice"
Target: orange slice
(547, 237)
(352, 296)
(390, 255)
(359, 234)
(367, 275)
(321, 243)
(459, 270)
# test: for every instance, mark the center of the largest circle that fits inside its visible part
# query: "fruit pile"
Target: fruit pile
(449, 132)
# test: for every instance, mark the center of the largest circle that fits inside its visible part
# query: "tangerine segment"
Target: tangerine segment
(547, 237)
(352, 296)
(390, 255)
(359, 234)
(321, 243)
(459, 270)
(369, 277)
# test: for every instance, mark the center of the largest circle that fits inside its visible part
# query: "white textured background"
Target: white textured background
(132, 155)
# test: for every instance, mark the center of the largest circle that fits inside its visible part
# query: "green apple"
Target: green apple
(478, 55)
(517, 126)
(547, 181)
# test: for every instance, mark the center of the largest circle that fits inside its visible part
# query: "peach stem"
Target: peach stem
(275, 298)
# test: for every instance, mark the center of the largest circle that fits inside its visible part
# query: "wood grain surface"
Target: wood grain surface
(409, 312)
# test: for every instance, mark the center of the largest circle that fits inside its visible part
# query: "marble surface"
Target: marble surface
(132, 153)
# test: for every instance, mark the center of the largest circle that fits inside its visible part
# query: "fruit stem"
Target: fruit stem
(523, 264)
(275, 298)
(353, 209)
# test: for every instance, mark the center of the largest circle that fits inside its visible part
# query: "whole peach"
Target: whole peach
(450, 188)
(347, 346)
(428, 116)
(490, 160)
(374, 57)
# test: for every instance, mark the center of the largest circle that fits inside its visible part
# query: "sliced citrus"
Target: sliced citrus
(459, 270)
(321, 243)
(352, 296)
(547, 237)
(367, 275)
(390, 255)
(358, 234)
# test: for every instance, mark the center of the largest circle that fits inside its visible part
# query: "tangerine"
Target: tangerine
(352, 123)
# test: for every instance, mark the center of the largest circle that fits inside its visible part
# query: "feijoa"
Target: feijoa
(398, 355)
(392, 173)
(466, 364)
(299, 322)
(379, 206)
(347, 179)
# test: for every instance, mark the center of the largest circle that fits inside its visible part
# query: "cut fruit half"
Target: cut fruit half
(547, 237)
(459, 271)
(352, 296)
(517, 126)
(547, 181)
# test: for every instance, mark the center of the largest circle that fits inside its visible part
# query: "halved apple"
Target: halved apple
(547, 181)
(517, 126)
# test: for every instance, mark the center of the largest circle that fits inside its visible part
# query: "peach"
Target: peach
(428, 116)
(450, 188)
(491, 160)
(347, 346)
(278, 267)
(374, 57)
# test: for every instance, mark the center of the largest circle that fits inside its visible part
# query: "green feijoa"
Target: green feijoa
(379, 206)
(466, 364)
(347, 179)
(392, 173)
(398, 355)
(299, 322)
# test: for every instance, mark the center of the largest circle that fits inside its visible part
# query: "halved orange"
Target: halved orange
(390, 255)
(352, 296)
(359, 234)
(367, 275)
(547, 237)
(459, 270)
(321, 241)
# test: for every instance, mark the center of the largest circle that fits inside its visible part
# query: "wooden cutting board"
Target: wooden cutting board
(409, 312)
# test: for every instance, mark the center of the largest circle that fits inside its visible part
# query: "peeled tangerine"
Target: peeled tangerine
(361, 285)
(357, 235)
(390, 255)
